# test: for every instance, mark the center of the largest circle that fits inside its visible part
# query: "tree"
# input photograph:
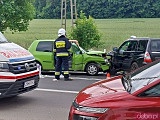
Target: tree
(16, 14)
(86, 32)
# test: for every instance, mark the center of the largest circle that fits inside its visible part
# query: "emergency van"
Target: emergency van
(18, 69)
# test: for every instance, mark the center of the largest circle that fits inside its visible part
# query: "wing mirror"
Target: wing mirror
(115, 49)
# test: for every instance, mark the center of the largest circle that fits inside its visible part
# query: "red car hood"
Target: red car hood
(110, 90)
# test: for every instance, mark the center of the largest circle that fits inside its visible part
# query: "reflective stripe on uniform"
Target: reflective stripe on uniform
(62, 54)
(65, 72)
(60, 44)
(57, 73)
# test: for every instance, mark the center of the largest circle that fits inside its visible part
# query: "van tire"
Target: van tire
(92, 69)
(134, 66)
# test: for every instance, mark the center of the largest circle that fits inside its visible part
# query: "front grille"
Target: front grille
(80, 117)
(17, 68)
(17, 87)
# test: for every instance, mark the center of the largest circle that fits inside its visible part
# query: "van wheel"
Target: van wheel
(134, 66)
(92, 69)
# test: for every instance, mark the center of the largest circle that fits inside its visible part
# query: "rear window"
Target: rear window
(45, 46)
(155, 46)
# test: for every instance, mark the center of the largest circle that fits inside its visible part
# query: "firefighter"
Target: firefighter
(61, 49)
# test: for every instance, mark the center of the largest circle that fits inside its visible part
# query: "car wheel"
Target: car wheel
(134, 66)
(92, 69)
(112, 70)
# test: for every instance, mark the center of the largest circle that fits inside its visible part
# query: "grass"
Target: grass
(114, 31)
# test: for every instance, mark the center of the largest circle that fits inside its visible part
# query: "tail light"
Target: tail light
(147, 58)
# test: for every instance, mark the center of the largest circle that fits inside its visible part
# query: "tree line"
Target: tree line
(16, 14)
(100, 9)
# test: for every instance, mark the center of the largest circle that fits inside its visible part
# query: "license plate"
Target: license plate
(29, 83)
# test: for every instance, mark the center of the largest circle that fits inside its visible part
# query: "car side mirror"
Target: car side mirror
(115, 49)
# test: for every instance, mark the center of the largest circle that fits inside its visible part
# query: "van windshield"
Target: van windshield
(2, 38)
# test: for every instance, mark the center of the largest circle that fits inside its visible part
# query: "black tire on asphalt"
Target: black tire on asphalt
(134, 66)
(92, 69)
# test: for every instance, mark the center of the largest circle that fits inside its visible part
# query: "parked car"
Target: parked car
(134, 53)
(134, 96)
(91, 62)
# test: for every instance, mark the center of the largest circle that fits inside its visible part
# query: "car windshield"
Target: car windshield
(83, 51)
(143, 77)
(2, 38)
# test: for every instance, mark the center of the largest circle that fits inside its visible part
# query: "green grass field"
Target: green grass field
(114, 31)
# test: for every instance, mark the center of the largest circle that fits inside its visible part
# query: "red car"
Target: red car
(134, 96)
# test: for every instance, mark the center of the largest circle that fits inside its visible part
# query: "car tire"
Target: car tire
(112, 70)
(134, 66)
(92, 69)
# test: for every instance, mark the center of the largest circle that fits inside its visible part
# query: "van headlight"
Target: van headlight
(4, 67)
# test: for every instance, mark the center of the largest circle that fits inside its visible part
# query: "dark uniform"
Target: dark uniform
(61, 48)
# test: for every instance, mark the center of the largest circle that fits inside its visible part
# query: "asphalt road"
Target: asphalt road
(50, 101)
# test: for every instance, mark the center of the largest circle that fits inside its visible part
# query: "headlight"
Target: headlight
(106, 60)
(4, 67)
(92, 110)
(89, 109)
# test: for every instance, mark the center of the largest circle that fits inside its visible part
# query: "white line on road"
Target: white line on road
(60, 91)
(80, 78)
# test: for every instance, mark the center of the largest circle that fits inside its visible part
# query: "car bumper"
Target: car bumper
(8, 89)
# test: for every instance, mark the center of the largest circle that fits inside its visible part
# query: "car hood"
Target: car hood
(14, 53)
(97, 53)
(102, 92)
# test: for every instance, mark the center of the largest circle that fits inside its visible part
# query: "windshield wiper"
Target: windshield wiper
(127, 83)
(143, 78)
(3, 41)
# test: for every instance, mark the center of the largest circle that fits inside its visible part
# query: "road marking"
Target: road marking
(80, 78)
(60, 91)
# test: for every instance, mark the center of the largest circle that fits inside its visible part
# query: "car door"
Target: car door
(139, 55)
(124, 56)
(77, 58)
(147, 105)
(155, 49)
(45, 54)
